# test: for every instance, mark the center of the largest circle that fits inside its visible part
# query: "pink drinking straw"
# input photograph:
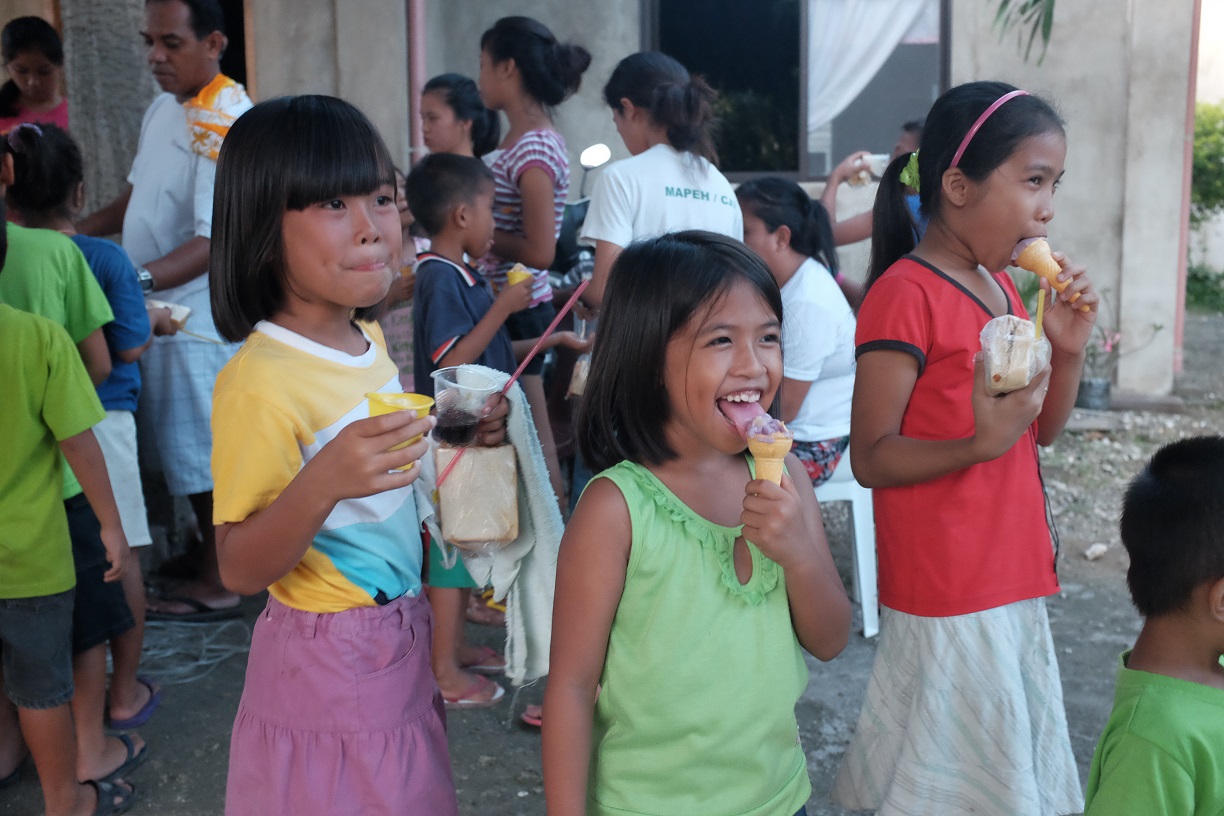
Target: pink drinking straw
(569, 304)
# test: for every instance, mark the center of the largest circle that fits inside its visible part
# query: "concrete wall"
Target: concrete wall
(610, 31)
(355, 49)
(109, 87)
(1119, 72)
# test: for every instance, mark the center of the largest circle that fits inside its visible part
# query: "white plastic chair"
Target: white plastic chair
(843, 487)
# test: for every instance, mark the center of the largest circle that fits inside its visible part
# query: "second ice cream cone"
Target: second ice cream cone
(769, 455)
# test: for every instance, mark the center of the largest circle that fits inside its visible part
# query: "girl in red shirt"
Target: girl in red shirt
(34, 59)
(964, 710)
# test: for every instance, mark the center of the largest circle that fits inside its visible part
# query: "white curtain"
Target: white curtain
(848, 42)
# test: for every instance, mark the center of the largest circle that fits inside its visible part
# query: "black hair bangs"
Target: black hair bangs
(333, 151)
(283, 154)
(656, 288)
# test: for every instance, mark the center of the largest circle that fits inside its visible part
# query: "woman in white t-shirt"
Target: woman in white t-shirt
(794, 237)
(670, 183)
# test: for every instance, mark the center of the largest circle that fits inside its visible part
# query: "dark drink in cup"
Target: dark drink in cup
(461, 392)
(455, 428)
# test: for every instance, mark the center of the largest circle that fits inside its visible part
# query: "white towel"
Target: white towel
(523, 573)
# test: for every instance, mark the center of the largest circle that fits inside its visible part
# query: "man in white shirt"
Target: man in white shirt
(165, 215)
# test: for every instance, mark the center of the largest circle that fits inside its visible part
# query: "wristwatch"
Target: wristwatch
(146, 279)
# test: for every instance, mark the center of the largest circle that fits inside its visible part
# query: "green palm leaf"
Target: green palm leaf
(1034, 18)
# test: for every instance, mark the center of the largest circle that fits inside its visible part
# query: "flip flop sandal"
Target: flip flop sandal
(487, 596)
(200, 611)
(471, 697)
(108, 792)
(489, 662)
(134, 759)
(145, 713)
(533, 716)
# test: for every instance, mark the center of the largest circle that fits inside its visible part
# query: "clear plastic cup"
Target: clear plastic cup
(461, 393)
(381, 403)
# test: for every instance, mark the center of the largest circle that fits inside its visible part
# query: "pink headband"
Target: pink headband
(981, 120)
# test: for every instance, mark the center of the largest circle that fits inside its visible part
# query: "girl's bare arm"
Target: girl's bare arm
(784, 522)
(537, 246)
(882, 457)
(262, 548)
(606, 254)
(590, 578)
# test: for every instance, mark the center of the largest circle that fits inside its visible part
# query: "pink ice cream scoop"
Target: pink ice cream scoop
(769, 441)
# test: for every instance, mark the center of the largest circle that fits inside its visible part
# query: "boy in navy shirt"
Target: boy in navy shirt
(456, 318)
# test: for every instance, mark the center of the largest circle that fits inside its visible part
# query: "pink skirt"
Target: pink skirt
(340, 715)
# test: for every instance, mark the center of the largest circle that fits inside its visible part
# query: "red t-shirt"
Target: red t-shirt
(56, 116)
(976, 538)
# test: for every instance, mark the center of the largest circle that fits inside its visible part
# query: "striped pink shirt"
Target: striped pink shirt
(544, 149)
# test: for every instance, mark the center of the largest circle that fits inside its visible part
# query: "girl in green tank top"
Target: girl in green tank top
(686, 588)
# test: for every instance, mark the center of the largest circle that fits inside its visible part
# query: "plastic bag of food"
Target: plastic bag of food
(1014, 354)
(478, 502)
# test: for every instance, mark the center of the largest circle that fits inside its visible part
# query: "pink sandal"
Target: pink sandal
(487, 661)
(533, 716)
(473, 695)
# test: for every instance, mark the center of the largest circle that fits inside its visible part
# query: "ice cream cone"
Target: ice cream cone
(1036, 258)
(769, 453)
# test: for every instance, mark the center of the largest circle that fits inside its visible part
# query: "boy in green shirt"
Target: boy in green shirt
(1162, 751)
(47, 405)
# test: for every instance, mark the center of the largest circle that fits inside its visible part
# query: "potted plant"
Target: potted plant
(1100, 363)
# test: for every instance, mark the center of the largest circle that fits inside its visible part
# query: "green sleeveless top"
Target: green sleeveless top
(697, 709)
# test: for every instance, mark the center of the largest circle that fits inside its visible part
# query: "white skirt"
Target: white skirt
(963, 715)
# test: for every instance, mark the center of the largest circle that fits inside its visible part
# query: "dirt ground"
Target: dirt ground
(497, 763)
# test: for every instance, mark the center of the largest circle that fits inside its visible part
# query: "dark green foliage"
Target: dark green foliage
(1204, 289)
(1036, 17)
(1207, 182)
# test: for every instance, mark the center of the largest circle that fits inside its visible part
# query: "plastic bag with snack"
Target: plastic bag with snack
(1014, 353)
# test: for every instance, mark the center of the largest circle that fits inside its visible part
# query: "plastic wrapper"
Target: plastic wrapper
(1014, 353)
(478, 502)
(577, 383)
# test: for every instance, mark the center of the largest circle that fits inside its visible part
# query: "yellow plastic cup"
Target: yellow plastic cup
(419, 404)
(516, 276)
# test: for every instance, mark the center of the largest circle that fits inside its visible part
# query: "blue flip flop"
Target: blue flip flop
(144, 714)
(134, 759)
(108, 792)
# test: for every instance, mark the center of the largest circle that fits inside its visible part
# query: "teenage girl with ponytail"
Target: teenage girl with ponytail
(670, 183)
(964, 711)
(455, 120)
(793, 235)
(525, 73)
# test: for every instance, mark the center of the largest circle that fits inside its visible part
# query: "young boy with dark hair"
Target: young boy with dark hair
(47, 405)
(1162, 751)
(457, 319)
